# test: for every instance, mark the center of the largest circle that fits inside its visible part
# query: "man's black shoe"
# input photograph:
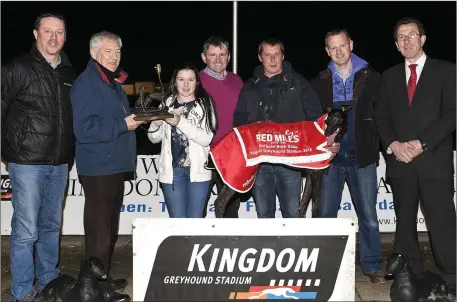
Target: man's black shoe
(117, 284)
(110, 295)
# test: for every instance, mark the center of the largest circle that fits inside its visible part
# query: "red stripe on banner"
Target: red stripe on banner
(257, 289)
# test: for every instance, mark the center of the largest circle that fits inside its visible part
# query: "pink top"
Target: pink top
(225, 94)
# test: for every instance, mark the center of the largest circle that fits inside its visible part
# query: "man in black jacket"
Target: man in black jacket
(349, 80)
(276, 93)
(415, 116)
(38, 145)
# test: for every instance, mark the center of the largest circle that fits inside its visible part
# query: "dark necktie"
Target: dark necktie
(412, 82)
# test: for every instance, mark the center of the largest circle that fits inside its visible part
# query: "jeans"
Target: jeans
(362, 184)
(37, 196)
(284, 181)
(185, 199)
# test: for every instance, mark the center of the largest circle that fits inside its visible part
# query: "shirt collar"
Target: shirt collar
(420, 63)
(337, 71)
(57, 64)
(215, 75)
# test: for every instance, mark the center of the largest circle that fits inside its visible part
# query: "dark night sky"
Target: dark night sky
(172, 32)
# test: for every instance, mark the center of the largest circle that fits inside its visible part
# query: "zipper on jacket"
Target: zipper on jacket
(344, 87)
(130, 138)
(59, 116)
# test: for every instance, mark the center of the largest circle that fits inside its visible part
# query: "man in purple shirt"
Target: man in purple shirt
(224, 86)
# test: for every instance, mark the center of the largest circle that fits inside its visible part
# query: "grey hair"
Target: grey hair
(97, 38)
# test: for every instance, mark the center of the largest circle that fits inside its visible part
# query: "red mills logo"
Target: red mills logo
(286, 137)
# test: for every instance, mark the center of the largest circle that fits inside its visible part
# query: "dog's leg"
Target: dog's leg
(222, 200)
(306, 196)
(317, 183)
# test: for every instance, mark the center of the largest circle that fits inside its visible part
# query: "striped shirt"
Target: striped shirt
(215, 75)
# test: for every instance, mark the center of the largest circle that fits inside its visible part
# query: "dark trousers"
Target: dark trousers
(437, 196)
(234, 204)
(104, 196)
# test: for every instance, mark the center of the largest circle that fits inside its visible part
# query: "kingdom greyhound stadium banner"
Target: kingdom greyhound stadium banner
(144, 199)
(219, 260)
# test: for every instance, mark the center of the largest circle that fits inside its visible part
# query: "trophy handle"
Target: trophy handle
(158, 69)
(141, 97)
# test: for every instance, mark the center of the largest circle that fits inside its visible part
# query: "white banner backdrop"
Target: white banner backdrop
(143, 198)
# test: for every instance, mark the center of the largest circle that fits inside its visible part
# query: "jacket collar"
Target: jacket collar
(120, 79)
(286, 68)
(36, 54)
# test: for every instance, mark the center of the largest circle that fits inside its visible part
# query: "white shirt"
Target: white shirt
(420, 66)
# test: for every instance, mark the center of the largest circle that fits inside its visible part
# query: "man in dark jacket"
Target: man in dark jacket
(37, 144)
(276, 93)
(105, 145)
(415, 117)
(349, 80)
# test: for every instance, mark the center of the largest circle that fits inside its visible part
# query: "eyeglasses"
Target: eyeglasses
(411, 36)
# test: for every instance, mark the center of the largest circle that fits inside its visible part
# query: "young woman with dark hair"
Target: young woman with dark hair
(185, 144)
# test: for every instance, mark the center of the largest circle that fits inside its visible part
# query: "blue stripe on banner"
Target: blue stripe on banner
(299, 295)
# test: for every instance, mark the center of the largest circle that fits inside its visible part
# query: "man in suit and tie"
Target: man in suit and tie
(415, 117)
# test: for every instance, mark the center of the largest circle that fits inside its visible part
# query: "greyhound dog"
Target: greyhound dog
(91, 286)
(336, 123)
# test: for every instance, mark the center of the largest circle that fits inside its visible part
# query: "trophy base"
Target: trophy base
(152, 116)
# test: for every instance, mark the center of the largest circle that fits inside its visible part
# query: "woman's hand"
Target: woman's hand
(173, 120)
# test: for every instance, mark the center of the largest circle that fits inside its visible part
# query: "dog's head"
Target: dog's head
(337, 121)
(396, 264)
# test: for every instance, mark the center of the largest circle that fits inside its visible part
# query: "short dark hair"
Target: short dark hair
(49, 15)
(409, 20)
(335, 32)
(271, 42)
(216, 42)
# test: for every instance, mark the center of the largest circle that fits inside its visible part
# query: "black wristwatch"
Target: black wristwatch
(424, 146)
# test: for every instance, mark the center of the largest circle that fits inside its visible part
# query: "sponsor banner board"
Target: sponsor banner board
(244, 259)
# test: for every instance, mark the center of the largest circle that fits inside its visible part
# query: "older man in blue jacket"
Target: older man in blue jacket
(105, 145)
